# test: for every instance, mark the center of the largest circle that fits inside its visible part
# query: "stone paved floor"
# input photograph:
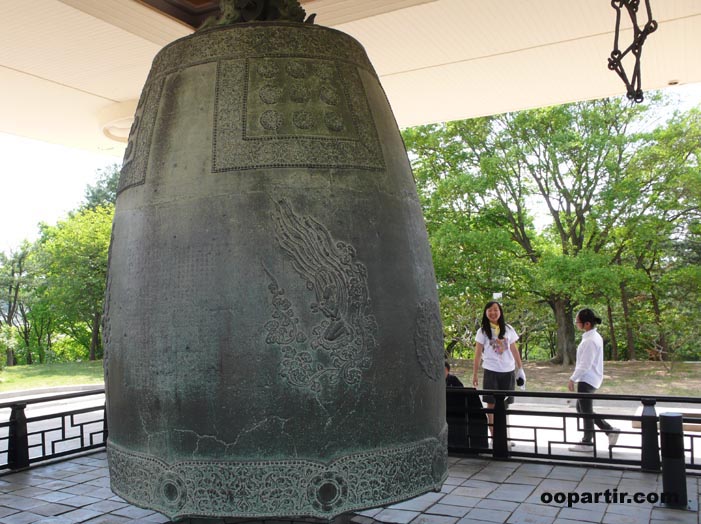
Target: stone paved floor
(478, 491)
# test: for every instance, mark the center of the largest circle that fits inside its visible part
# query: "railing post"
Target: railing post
(673, 461)
(650, 452)
(104, 424)
(499, 442)
(18, 444)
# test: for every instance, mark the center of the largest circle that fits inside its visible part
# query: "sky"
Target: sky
(41, 182)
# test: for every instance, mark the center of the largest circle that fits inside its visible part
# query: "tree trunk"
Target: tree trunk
(95, 339)
(612, 332)
(566, 349)
(10, 357)
(630, 337)
(661, 337)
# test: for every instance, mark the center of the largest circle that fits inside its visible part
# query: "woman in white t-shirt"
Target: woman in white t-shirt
(496, 349)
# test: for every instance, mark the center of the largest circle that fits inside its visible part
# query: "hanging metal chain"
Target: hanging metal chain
(633, 86)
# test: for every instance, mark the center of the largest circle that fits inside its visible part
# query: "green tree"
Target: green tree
(590, 165)
(13, 275)
(73, 256)
(104, 191)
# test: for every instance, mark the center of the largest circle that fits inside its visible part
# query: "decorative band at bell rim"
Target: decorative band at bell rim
(273, 341)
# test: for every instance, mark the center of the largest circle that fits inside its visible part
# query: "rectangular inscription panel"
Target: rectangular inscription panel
(292, 112)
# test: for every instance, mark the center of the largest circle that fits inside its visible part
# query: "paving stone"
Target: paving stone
(567, 473)
(51, 509)
(82, 477)
(5, 511)
(446, 509)
(111, 519)
(53, 496)
(557, 486)
(537, 510)
(30, 492)
(457, 500)
(615, 518)
(77, 489)
(21, 503)
(369, 512)
(434, 519)
(512, 492)
(488, 515)
(55, 485)
(79, 501)
(674, 515)
(581, 515)
(642, 513)
(397, 516)
(534, 470)
(526, 518)
(501, 505)
(462, 472)
(101, 482)
(476, 488)
(23, 517)
(106, 506)
(538, 498)
(419, 503)
(53, 520)
(517, 478)
(493, 475)
(80, 515)
(157, 518)
(133, 512)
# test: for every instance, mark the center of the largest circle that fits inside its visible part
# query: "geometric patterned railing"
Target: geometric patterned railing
(26, 440)
(544, 432)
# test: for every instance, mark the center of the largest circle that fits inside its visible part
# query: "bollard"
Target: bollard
(673, 466)
(650, 453)
(18, 444)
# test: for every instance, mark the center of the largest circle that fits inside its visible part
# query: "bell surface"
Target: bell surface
(273, 339)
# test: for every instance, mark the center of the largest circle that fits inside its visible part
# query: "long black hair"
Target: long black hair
(587, 315)
(486, 324)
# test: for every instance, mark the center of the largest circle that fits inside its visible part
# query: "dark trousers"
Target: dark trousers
(586, 405)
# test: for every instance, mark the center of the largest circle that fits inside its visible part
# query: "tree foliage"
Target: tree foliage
(618, 197)
(73, 255)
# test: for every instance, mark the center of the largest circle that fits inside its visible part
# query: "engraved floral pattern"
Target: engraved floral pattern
(289, 488)
(271, 120)
(428, 339)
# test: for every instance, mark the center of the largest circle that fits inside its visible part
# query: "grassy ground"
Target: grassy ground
(632, 378)
(635, 378)
(17, 378)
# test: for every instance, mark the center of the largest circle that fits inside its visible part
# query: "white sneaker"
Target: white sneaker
(582, 448)
(613, 436)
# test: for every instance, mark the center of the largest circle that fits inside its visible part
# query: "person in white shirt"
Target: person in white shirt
(588, 375)
(495, 348)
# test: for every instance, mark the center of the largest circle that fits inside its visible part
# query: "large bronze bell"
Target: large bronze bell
(273, 340)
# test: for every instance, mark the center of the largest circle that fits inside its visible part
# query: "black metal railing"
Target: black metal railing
(545, 432)
(541, 432)
(27, 440)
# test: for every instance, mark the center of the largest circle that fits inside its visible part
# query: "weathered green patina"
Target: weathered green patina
(269, 265)
(244, 11)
